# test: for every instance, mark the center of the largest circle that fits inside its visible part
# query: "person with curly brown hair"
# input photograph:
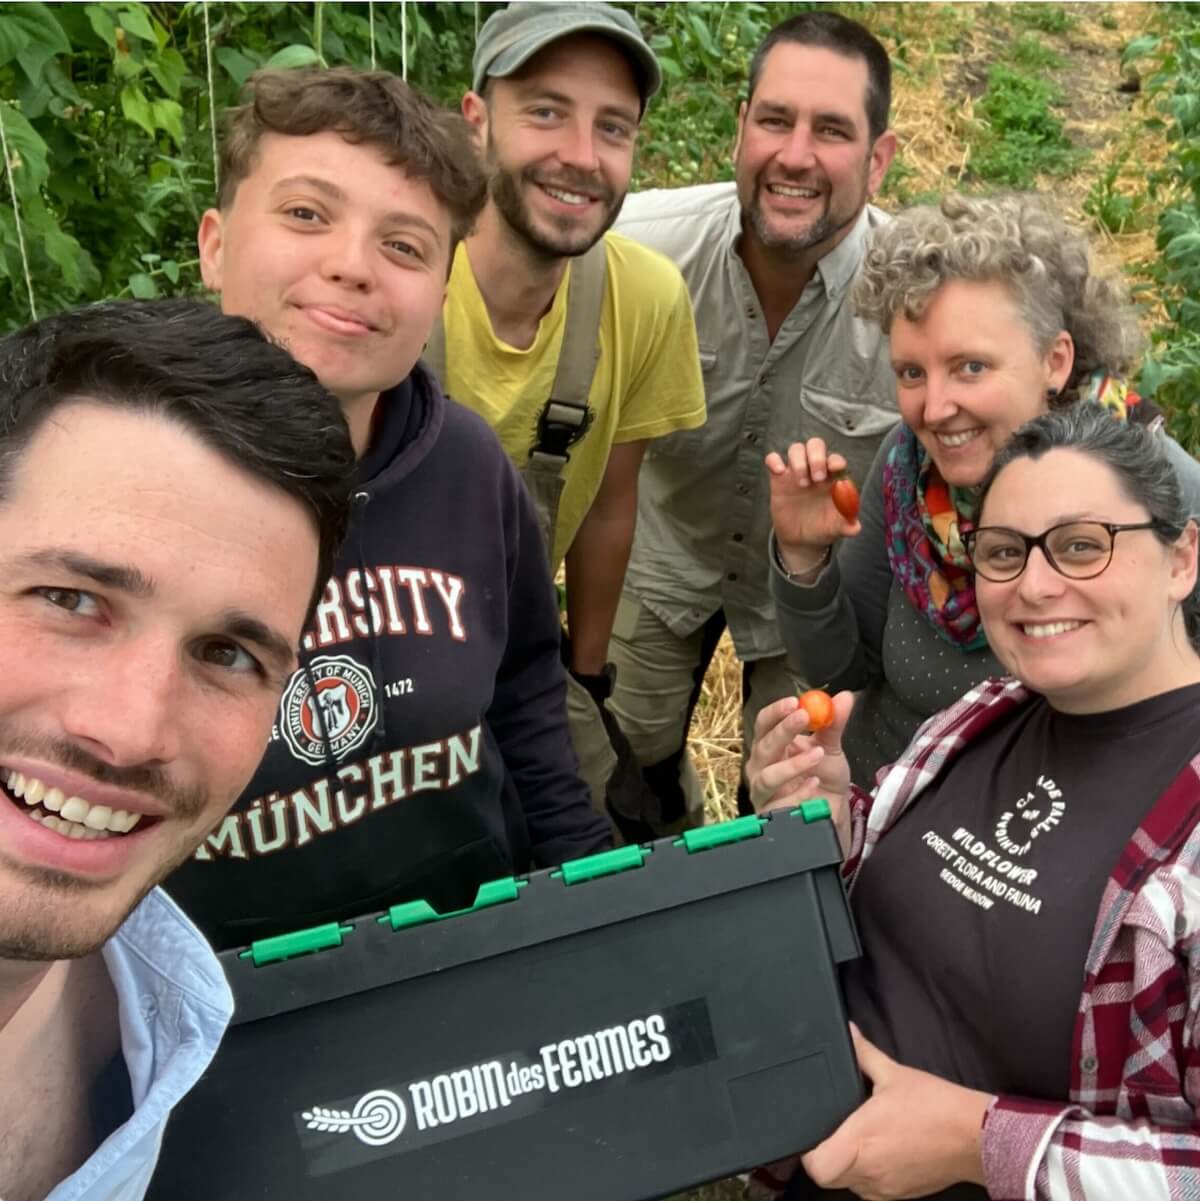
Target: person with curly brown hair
(994, 315)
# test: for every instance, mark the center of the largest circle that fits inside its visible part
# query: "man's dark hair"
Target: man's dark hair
(216, 376)
(831, 31)
(372, 108)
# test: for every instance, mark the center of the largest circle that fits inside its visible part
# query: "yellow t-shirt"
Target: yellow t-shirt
(647, 381)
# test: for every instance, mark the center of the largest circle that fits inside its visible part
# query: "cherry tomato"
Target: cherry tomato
(819, 707)
(845, 499)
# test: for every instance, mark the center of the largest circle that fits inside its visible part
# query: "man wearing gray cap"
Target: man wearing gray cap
(576, 345)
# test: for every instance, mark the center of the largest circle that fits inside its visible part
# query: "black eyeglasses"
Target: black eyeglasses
(1079, 550)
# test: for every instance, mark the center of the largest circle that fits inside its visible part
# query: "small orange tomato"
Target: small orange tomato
(819, 707)
(845, 499)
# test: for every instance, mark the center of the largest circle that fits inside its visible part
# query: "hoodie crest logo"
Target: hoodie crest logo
(333, 699)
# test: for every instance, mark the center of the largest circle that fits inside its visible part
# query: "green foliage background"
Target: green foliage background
(106, 109)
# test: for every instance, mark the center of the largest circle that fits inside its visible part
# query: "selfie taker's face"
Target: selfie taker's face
(150, 595)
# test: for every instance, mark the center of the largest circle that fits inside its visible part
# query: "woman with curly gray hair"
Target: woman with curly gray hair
(994, 315)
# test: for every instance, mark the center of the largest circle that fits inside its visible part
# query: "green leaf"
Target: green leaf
(102, 25)
(12, 41)
(670, 68)
(236, 64)
(1185, 246)
(1140, 47)
(293, 56)
(135, 21)
(171, 270)
(169, 116)
(28, 153)
(143, 286)
(45, 37)
(74, 264)
(700, 27)
(137, 108)
(168, 69)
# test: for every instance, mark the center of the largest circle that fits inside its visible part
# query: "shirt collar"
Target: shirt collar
(174, 1004)
(837, 268)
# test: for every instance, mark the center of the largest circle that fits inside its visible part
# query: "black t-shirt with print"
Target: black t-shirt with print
(976, 910)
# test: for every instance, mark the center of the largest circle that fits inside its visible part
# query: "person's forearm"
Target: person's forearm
(595, 569)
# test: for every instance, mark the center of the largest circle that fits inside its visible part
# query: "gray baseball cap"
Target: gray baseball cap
(511, 37)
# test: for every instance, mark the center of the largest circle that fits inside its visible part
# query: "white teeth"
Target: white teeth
(566, 197)
(1051, 629)
(97, 817)
(75, 809)
(797, 193)
(75, 814)
(957, 439)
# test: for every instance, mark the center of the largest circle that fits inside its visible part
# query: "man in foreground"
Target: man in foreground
(172, 487)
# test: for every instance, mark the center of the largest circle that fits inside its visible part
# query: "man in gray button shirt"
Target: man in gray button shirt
(769, 261)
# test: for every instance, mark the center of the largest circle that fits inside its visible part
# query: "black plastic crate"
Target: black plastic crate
(627, 1026)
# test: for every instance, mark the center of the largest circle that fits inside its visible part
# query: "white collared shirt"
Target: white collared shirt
(174, 1005)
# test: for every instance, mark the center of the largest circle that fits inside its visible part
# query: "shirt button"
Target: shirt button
(742, 490)
(148, 1006)
(1088, 1063)
(732, 577)
(1181, 926)
(737, 537)
(751, 437)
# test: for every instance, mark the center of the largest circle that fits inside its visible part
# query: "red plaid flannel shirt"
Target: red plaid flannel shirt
(1130, 1130)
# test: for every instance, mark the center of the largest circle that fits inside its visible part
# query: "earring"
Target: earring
(1051, 393)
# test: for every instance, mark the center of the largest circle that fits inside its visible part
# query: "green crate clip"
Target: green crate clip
(737, 830)
(814, 810)
(299, 942)
(417, 913)
(607, 863)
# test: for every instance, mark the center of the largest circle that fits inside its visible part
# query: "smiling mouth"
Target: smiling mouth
(960, 438)
(1048, 629)
(792, 191)
(566, 196)
(70, 816)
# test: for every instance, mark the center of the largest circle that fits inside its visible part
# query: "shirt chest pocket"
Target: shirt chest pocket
(854, 427)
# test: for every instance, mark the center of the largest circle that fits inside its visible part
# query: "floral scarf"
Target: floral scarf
(926, 520)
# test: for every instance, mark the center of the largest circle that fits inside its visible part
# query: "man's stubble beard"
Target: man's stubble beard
(41, 927)
(505, 191)
(826, 227)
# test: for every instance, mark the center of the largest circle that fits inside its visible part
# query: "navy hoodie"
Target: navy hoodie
(422, 746)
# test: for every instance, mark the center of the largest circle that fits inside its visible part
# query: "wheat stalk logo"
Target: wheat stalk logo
(378, 1118)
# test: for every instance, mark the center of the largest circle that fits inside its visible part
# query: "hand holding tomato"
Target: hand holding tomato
(811, 505)
(797, 755)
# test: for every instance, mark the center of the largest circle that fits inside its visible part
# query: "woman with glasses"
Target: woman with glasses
(1026, 878)
(994, 316)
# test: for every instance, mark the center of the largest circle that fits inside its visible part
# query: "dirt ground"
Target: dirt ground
(947, 50)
